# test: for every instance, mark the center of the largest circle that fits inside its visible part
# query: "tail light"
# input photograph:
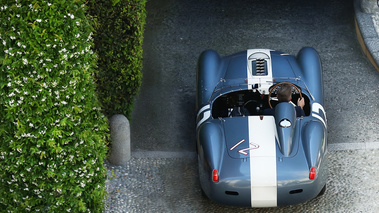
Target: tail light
(215, 175)
(312, 173)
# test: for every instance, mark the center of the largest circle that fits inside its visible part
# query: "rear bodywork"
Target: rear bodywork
(261, 160)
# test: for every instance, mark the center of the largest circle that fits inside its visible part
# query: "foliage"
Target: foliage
(51, 128)
(118, 43)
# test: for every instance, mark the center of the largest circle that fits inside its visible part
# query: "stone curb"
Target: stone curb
(367, 36)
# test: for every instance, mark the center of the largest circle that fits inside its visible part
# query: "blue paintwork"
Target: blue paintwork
(299, 147)
(285, 112)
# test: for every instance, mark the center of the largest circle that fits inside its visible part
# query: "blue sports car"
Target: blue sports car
(254, 147)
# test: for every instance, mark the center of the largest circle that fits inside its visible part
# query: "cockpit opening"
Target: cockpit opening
(249, 102)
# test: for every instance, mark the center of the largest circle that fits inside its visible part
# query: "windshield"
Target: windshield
(230, 85)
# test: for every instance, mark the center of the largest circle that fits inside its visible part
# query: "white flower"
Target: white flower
(48, 4)
(38, 20)
(25, 61)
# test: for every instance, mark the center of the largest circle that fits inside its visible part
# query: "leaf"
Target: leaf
(60, 38)
(114, 2)
(64, 121)
(42, 155)
(43, 32)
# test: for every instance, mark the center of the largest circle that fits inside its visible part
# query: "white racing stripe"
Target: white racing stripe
(263, 161)
(264, 81)
(206, 115)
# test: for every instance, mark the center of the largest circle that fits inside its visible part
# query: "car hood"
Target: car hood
(250, 136)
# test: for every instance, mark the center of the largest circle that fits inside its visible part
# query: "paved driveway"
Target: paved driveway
(177, 31)
(162, 175)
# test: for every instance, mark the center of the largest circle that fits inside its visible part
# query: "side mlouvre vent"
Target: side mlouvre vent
(259, 67)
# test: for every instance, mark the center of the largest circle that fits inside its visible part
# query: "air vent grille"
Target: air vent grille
(259, 67)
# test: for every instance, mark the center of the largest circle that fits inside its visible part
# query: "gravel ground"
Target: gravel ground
(162, 175)
(171, 185)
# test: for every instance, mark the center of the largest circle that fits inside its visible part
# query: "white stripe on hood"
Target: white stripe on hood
(263, 175)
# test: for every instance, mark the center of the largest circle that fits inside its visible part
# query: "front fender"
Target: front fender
(208, 75)
(310, 64)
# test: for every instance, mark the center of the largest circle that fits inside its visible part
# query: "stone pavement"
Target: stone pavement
(167, 180)
(155, 183)
(367, 29)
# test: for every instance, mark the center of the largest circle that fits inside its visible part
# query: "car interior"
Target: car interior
(249, 102)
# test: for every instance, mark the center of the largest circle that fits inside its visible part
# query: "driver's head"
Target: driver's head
(285, 93)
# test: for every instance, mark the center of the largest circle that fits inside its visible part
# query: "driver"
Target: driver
(285, 95)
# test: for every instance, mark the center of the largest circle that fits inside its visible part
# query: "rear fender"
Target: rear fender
(314, 142)
(211, 145)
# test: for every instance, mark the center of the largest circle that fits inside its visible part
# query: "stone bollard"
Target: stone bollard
(120, 152)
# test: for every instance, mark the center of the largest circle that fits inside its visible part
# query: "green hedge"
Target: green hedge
(52, 130)
(118, 43)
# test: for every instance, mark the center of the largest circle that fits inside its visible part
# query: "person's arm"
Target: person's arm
(299, 108)
(301, 102)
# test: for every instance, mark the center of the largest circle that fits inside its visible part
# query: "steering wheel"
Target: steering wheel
(276, 85)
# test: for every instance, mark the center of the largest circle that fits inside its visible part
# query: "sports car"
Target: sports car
(252, 149)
